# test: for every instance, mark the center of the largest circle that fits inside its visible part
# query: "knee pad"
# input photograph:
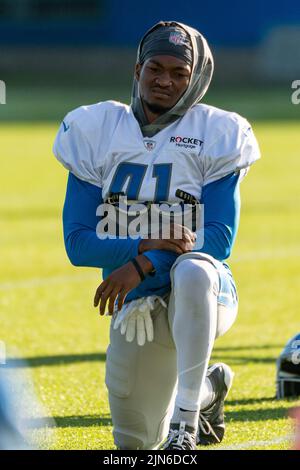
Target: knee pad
(126, 443)
(133, 435)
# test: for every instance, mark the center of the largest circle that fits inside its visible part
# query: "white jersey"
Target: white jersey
(103, 145)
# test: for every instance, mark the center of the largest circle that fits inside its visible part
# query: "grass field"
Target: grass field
(47, 318)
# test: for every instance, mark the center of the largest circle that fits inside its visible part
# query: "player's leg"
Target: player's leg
(219, 376)
(141, 381)
(195, 324)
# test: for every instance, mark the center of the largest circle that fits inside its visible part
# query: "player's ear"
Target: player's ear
(137, 72)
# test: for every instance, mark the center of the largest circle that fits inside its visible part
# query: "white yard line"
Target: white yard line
(45, 281)
(266, 254)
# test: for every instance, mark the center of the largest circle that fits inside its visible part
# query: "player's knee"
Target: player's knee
(132, 429)
(127, 441)
(192, 276)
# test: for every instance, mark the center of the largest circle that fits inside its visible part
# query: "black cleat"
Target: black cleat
(211, 426)
(180, 437)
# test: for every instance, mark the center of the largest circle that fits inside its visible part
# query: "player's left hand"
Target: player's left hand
(118, 284)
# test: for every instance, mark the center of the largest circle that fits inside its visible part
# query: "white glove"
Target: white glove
(135, 319)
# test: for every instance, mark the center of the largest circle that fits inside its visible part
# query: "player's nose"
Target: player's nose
(164, 80)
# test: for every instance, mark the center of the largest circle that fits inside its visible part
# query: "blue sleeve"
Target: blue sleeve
(221, 200)
(83, 246)
(162, 260)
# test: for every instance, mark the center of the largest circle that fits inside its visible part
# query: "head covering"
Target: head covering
(202, 70)
(169, 40)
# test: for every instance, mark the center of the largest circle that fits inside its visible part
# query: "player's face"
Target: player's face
(162, 80)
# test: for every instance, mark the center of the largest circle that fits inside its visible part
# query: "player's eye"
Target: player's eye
(153, 69)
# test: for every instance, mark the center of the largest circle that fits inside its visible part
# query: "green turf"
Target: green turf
(47, 316)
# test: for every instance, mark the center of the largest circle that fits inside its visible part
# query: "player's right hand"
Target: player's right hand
(182, 240)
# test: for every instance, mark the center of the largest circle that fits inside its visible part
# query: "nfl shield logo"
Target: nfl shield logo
(149, 144)
(176, 38)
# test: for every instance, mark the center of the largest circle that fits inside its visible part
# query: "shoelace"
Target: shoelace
(206, 427)
(180, 439)
(184, 441)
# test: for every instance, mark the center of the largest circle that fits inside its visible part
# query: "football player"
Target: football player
(171, 296)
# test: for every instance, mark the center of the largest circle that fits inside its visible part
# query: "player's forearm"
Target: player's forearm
(84, 248)
(161, 260)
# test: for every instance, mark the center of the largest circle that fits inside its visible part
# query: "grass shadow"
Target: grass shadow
(257, 415)
(248, 347)
(69, 421)
(250, 401)
(240, 360)
(58, 360)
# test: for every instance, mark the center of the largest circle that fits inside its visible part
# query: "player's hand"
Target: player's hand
(118, 284)
(182, 240)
